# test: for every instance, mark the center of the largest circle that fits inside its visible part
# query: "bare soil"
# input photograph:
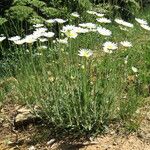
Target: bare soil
(36, 136)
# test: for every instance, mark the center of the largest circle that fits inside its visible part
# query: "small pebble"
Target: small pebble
(115, 143)
(52, 141)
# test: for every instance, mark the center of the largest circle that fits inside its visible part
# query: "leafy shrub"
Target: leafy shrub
(20, 12)
(2, 20)
(125, 8)
(24, 10)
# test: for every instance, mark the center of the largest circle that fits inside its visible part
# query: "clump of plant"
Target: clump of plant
(86, 75)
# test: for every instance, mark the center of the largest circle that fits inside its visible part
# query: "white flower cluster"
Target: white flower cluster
(104, 31)
(143, 23)
(103, 20)
(109, 47)
(124, 23)
(58, 20)
(40, 34)
(85, 53)
(75, 14)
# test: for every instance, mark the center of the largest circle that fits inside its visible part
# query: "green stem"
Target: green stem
(85, 94)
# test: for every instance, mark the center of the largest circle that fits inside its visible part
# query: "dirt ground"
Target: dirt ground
(37, 137)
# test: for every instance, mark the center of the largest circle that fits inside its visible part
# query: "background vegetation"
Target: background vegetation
(28, 12)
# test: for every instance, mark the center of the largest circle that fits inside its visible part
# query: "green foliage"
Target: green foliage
(125, 8)
(26, 10)
(20, 12)
(2, 20)
(50, 12)
(35, 3)
(84, 4)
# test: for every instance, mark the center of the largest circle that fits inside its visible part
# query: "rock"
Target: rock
(24, 116)
(24, 110)
(115, 143)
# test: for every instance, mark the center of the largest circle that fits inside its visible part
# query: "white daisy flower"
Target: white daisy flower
(14, 38)
(63, 41)
(91, 12)
(19, 42)
(59, 20)
(48, 34)
(146, 27)
(71, 34)
(40, 30)
(70, 31)
(68, 27)
(75, 14)
(141, 21)
(30, 39)
(119, 21)
(37, 34)
(104, 31)
(124, 23)
(108, 47)
(43, 39)
(2, 38)
(88, 25)
(126, 44)
(103, 20)
(134, 69)
(127, 24)
(38, 25)
(85, 53)
(81, 30)
(99, 15)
